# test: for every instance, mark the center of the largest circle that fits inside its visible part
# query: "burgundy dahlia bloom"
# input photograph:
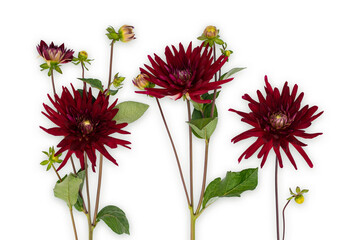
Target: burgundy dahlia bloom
(85, 124)
(54, 54)
(277, 120)
(184, 73)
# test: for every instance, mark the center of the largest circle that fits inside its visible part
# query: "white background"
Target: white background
(315, 44)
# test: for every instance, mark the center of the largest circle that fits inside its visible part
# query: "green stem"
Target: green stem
(215, 91)
(91, 228)
(88, 195)
(83, 75)
(56, 172)
(192, 224)
(111, 60)
(283, 215)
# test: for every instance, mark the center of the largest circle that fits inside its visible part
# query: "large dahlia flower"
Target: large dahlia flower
(277, 120)
(54, 54)
(184, 73)
(86, 125)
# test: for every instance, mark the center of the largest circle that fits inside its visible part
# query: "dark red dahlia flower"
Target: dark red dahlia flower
(277, 120)
(54, 54)
(85, 124)
(184, 73)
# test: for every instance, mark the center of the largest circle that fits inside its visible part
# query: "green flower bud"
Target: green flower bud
(118, 80)
(299, 199)
(82, 55)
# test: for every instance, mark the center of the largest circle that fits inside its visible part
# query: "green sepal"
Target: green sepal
(57, 68)
(204, 127)
(68, 189)
(233, 185)
(290, 198)
(44, 162)
(304, 191)
(130, 111)
(113, 92)
(231, 72)
(96, 83)
(49, 73)
(44, 66)
(48, 167)
(202, 38)
(115, 218)
(297, 190)
(218, 41)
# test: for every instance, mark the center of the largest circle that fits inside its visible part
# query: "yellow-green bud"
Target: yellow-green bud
(227, 53)
(126, 33)
(118, 81)
(211, 32)
(141, 82)
(299, 199)
(83, 55)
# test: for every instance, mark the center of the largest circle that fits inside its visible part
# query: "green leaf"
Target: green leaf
(304, 191)
(57, 68)
(115, 218)
(68, 189)
(202, 38)
(44, 162)
(130, 111)
(231, 72)
(197, 106)
(219, 41)
(232, 185)
(44, 66)
(113, 92)
(48, 167)
(297, 190)
(203, 127)
(96, 83)
(79, 204)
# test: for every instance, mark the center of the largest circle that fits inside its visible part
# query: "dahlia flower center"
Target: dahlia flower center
(279, 120)
(184, 75)
(86, 127)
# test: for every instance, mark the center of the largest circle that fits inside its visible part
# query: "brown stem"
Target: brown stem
(204, 175)
(73, 165)
(83, 75)
(56, 172)
(215, 91)
(175, 152)
(191, 156)
(283, 215)
(277, 200)
(87, 190)
(111, 60)
(73, 222)
(98, 189)
(52, 80)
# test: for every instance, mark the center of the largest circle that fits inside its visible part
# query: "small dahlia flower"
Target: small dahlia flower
(277, 120)
(126, 33)
(54, 54)
(86, 125)
(184, 73)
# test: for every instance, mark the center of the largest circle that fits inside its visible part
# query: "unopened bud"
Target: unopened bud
(82, 55)
(126, 33)
(299, 199)
(141, 82)
(118, 80)
(211, 32)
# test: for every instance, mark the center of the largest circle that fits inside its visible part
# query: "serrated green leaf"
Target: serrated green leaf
(232, 185)
(96, 83)
(130, 111)
(115, 218)
(203, 127)
(68, 189)
(231, 72)
(44, 162)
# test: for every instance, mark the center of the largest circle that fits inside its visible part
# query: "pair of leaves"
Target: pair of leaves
(115, 218)
(232, 185)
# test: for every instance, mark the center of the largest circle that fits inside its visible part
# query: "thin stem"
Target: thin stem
(277, 200)
(73, 165)
(98, 189)
(111, 60)
(83, 75)
(175, 152)
(283, 215)
(204, 175)
(191, 156)
(87, 191)
(52, 80)
(215, 91)
(56, 172)
(73, 222)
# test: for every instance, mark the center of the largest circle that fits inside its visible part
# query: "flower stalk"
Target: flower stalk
(277, 200)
